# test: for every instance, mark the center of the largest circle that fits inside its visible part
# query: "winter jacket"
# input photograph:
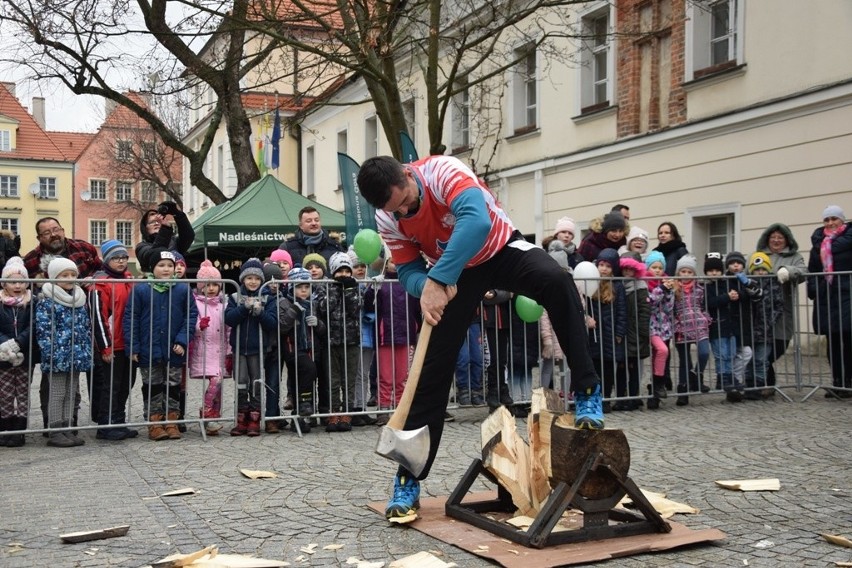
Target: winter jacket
(595, 241)
(691, 322)
(673, 251)
(158, 321)
(397, 313)
(638, 319)
(16, 323)
(832, 302)
(766, 310)
(208, 347)
(790, 259)
(108, 301)
(548, 337)
(247, 330)
(64, 336)
(296, 335)
(340, 307)
(298, 247)
(368, 321)
(148, 248)
(610, 326)
(718, 304)
(661, 321)
(741, 310)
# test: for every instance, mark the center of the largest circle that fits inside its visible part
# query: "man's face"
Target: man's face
(403, 200)
(309, 223)
(625, 213)
(51, 236)
(155, 221)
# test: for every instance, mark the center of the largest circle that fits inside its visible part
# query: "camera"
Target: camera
(166, 208)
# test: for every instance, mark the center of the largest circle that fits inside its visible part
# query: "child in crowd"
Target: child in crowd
(341, 308)
(397, 325)
(692, 327)
(469, 367)
(368, 346)
(607, 323)
(637, 241)
(283, 259)
(208, 351)
(108, 301)
(180, 265)
(63, 331)
(767, 307)
(16, 308)
(719, 296)
(661, 299)
(162, 322)
(297, 324)
(735, 265)
(272, 275)
(638, 327)
(316, 265)
(252, 319)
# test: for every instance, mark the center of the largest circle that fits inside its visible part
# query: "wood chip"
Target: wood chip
(769, 484)
(333, 546)
(310, 549)
(843, 564)
(403, 520)
(85, 536)
(258, 474)
(663, 505)
(836, 539)
(421, 559)
(177, 492)
(521, 521)
(512, 550)
(178, 560)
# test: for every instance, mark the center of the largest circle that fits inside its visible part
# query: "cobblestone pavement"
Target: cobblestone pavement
(327, 479)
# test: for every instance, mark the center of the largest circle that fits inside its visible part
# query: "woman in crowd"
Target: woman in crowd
(671, 245)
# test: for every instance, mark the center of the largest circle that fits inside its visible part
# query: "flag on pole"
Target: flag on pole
(276, 139)
(359, 214)
(262, 143)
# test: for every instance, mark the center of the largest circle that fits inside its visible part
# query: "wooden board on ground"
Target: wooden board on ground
(770, 484)
(663, 505)
(210, 558)
(85, 536)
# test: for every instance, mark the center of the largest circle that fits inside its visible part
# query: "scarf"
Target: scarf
(74, 299)
(160, 285)
(15, 300)
(825, 250)
(113, 274)
(312, 240)
(669, 247)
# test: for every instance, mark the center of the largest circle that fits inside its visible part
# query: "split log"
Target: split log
(506, 455)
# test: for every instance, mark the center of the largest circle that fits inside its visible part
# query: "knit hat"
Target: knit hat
(337, 261)
(279, 255)
(833, 211)
(613, 221)
(353, 257)
(609, 256)
(15, 267)
(111, 249)
(630, 262)
(297, 274)
(314, 257)
(759, 260)
(713, 261)
(251, 267)
(687, 261)
(207, 272)
(61, 264)
(655, 256)
(566, 224)
(179, 259)
(165, 254)
(735, 256)
(637, 233)
(272, 271)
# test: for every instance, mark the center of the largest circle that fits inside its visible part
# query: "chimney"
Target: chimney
(38, 112)
(9, 87)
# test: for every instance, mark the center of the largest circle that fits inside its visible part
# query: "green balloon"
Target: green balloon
(528, 309)
(367, 245)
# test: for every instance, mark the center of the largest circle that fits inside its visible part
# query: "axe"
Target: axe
(409, 448)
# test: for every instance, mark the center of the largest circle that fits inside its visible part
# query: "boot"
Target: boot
(156, 431)
(172, 429)
(272, 427)
(695, 382)
(702, 387)
(659, 386)
(306, 404)
(345, 423)
(253, 426)
(653, 401)
(5, 424)
(18, 423)
(210, 428)
(240, 428)
(59, 439)
(682, 400)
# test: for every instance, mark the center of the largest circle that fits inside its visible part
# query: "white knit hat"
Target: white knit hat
(565, 224)
(833, 211)
(15, 267)
(59, 265)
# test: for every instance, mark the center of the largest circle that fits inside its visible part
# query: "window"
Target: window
(98, 189)
(713, 36)
(124, 150)
(149, 192)
(97, 232)
(343, 141)
(525, 90)
(46, 188)
(9, 224)
(149, 151)
(309, 172)
(5, 141)
(124, 232)
(123, 190)
(371, 137)
(711, 228)
(596, 65)
(8, 186)
(461, 115)
(720, 234)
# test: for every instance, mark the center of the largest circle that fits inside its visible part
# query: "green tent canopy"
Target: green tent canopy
(259, 217)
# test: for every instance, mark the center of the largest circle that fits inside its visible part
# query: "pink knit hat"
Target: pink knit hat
(279, 255)
(207, 272)
(565, 224)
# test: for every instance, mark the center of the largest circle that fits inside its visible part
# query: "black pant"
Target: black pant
(780, 347)
(840, 358)
(529, 272)
(114, 389)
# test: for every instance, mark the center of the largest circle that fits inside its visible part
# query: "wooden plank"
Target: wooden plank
(85, 536)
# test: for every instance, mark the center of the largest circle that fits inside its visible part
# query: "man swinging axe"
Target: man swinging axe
(438, 207)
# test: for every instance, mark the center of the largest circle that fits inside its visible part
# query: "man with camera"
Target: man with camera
(158, 234)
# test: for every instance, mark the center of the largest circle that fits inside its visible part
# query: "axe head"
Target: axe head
(408, 448)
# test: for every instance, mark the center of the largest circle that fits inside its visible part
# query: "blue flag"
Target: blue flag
(359, 214)
(276, 137)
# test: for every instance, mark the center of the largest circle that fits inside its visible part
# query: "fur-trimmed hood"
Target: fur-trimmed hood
(763, 241)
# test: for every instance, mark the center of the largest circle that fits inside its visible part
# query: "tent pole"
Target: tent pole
(205, 252)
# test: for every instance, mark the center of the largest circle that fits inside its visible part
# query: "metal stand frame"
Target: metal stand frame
(597, 513)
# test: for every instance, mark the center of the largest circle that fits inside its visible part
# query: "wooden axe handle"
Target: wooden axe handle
(400, 415)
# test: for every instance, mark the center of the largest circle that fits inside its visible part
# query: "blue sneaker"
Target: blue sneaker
(589, 409)
(406, 497)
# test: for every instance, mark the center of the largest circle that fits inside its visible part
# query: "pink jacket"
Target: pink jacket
(208, 347)
(548, 337)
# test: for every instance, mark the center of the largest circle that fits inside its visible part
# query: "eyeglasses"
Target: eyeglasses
(50, 232)
(154, 222)
(121, 258)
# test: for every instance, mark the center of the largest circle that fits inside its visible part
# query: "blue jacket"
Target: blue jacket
(611, 323)
(246, 329)
(64, 336)
(158, 321)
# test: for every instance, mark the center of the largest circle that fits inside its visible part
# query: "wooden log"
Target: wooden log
(545, 408)
(506, 455)
(570, 448)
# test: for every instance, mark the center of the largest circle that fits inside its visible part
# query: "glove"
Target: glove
(5, 355)
(742, 278)
(257, 309)
(11, 346)
(17, 359)
(229, 364)
(311, 321)
(783, 275)
(347, 282)
(167, 208)
(204, 323)
(378, 280)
